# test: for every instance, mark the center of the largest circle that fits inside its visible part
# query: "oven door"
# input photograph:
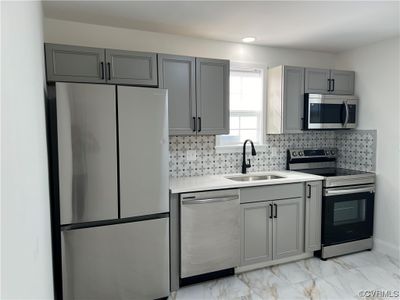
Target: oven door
(330, 113)
(347, 214)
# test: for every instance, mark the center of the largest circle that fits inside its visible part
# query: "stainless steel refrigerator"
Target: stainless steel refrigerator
(112, 145)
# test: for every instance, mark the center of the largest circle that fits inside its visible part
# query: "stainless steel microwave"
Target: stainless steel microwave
(330, 111)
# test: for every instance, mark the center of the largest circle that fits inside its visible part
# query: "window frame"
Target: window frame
(242, 66)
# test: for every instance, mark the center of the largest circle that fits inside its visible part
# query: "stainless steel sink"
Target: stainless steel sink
(254, 177)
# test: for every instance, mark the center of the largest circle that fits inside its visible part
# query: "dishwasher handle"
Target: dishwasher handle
(192, 200)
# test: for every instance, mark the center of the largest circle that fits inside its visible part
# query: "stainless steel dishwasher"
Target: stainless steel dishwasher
(210, 233)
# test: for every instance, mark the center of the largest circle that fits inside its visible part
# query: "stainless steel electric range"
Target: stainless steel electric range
(347, 201)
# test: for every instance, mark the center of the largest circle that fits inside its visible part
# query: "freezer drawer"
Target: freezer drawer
(87, 151)
(121, 261)
(210, 233)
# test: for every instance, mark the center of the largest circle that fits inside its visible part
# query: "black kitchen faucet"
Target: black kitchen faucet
(253, 152)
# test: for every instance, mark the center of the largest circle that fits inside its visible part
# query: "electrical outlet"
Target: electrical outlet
(191, 155)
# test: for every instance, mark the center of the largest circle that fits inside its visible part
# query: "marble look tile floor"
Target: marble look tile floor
(338, 278)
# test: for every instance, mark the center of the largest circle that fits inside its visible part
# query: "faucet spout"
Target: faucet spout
(247, 165)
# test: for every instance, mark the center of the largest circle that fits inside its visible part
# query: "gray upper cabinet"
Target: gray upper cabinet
(129, 67)
(288, 232)
(177, 74)
(212, 96)
(317, 81)
(324, 81)
(293, 99)
(74, 64)
(342, 82)
(97, 65)
(313, 213)
(285, 99)
(256, 233)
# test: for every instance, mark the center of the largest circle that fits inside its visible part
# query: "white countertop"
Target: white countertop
(217, 182)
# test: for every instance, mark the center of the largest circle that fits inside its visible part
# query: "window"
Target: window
(246, 107)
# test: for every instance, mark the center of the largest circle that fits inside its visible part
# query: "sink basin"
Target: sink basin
(254, 177)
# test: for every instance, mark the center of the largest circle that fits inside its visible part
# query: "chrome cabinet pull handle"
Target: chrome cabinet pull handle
(309, 191)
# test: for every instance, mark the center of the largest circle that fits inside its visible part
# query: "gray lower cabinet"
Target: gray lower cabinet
(271, 230)
(317, 81)
(342, 82)
(212, 96)
(256, 232)
(313, 211)
(177, 74)
(74, 64)
(131, 67)
(288, 228)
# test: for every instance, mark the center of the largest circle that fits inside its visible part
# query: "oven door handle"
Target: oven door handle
(342, 191)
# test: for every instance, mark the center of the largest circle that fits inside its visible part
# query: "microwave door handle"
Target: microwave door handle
(346, 120)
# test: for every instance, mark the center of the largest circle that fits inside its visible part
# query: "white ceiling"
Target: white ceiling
(330, 26)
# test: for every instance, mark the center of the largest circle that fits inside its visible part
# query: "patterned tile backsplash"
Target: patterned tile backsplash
(356, 151)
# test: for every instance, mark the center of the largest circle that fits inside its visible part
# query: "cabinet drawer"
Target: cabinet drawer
(271, 192)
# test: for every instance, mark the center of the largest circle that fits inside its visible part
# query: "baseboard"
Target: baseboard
(273, 262)
(387, 248)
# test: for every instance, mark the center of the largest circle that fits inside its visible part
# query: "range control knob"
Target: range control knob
(301, 153)
(333, 152)
(294, 153)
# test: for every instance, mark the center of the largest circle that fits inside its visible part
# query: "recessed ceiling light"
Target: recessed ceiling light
(248, 39)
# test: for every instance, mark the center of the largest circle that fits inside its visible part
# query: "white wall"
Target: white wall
(26, 269)
(58, 31)
(377, 84)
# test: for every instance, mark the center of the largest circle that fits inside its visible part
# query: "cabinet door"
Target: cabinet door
(212, 96)
(74, 64)
(177, 75)
(293, 101)
(313, 215)
(316, 81)
(288, 228)
(128, 67)
(256, 232)
(342, 82)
